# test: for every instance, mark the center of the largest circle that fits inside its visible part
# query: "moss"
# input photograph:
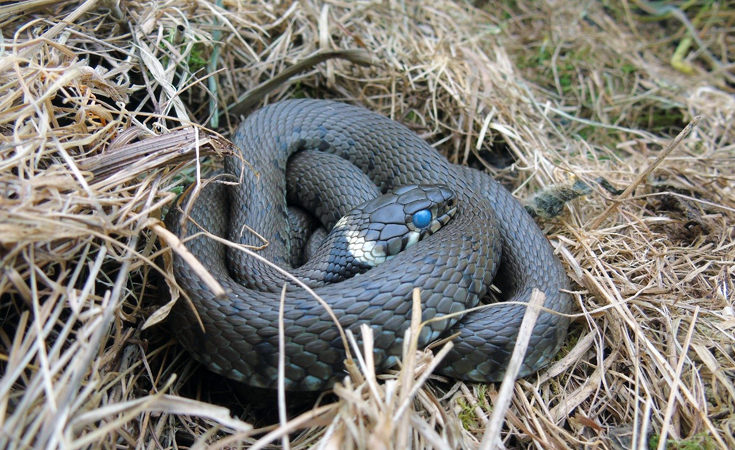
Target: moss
(468, 416)
(700, 441)
(196, 59)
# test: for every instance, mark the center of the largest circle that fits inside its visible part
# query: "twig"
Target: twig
(491, 438)
(282, 418)
(677, 381)
(253, 96)
(181, 250)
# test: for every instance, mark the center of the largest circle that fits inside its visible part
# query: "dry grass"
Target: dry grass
(562, 89)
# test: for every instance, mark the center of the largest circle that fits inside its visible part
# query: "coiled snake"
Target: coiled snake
(454, 268)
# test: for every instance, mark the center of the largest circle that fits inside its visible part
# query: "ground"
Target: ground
(104, 107)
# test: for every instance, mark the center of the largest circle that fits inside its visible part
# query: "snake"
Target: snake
(487, 242)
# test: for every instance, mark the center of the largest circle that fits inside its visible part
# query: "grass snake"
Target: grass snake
(490, 239)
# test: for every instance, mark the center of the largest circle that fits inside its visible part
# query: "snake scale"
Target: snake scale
(491, 239)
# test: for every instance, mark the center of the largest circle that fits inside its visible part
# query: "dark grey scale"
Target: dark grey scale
(392, 230)
(315, 240)
(416, 205)
(396, 244)
(490, 229)
(302, 227)
(389, 214)
(327, 194)
(382, 204)
(371, 234)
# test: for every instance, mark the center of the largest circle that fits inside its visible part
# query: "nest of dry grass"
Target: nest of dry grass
(106, 106)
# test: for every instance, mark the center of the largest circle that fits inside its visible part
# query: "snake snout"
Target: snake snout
(381, 228)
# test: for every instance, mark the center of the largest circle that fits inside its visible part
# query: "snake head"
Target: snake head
(379, 229)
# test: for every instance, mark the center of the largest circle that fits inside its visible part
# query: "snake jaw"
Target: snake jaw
(442, 220)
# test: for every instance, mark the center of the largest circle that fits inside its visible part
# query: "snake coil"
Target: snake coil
(491, 238)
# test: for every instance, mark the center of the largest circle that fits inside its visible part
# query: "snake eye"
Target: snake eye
(422, 219)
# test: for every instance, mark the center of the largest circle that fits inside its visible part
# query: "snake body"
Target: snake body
(491, 238)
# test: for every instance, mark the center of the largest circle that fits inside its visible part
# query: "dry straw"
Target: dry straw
(108, 108)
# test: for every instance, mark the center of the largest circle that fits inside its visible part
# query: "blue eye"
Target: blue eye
(422, 218)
